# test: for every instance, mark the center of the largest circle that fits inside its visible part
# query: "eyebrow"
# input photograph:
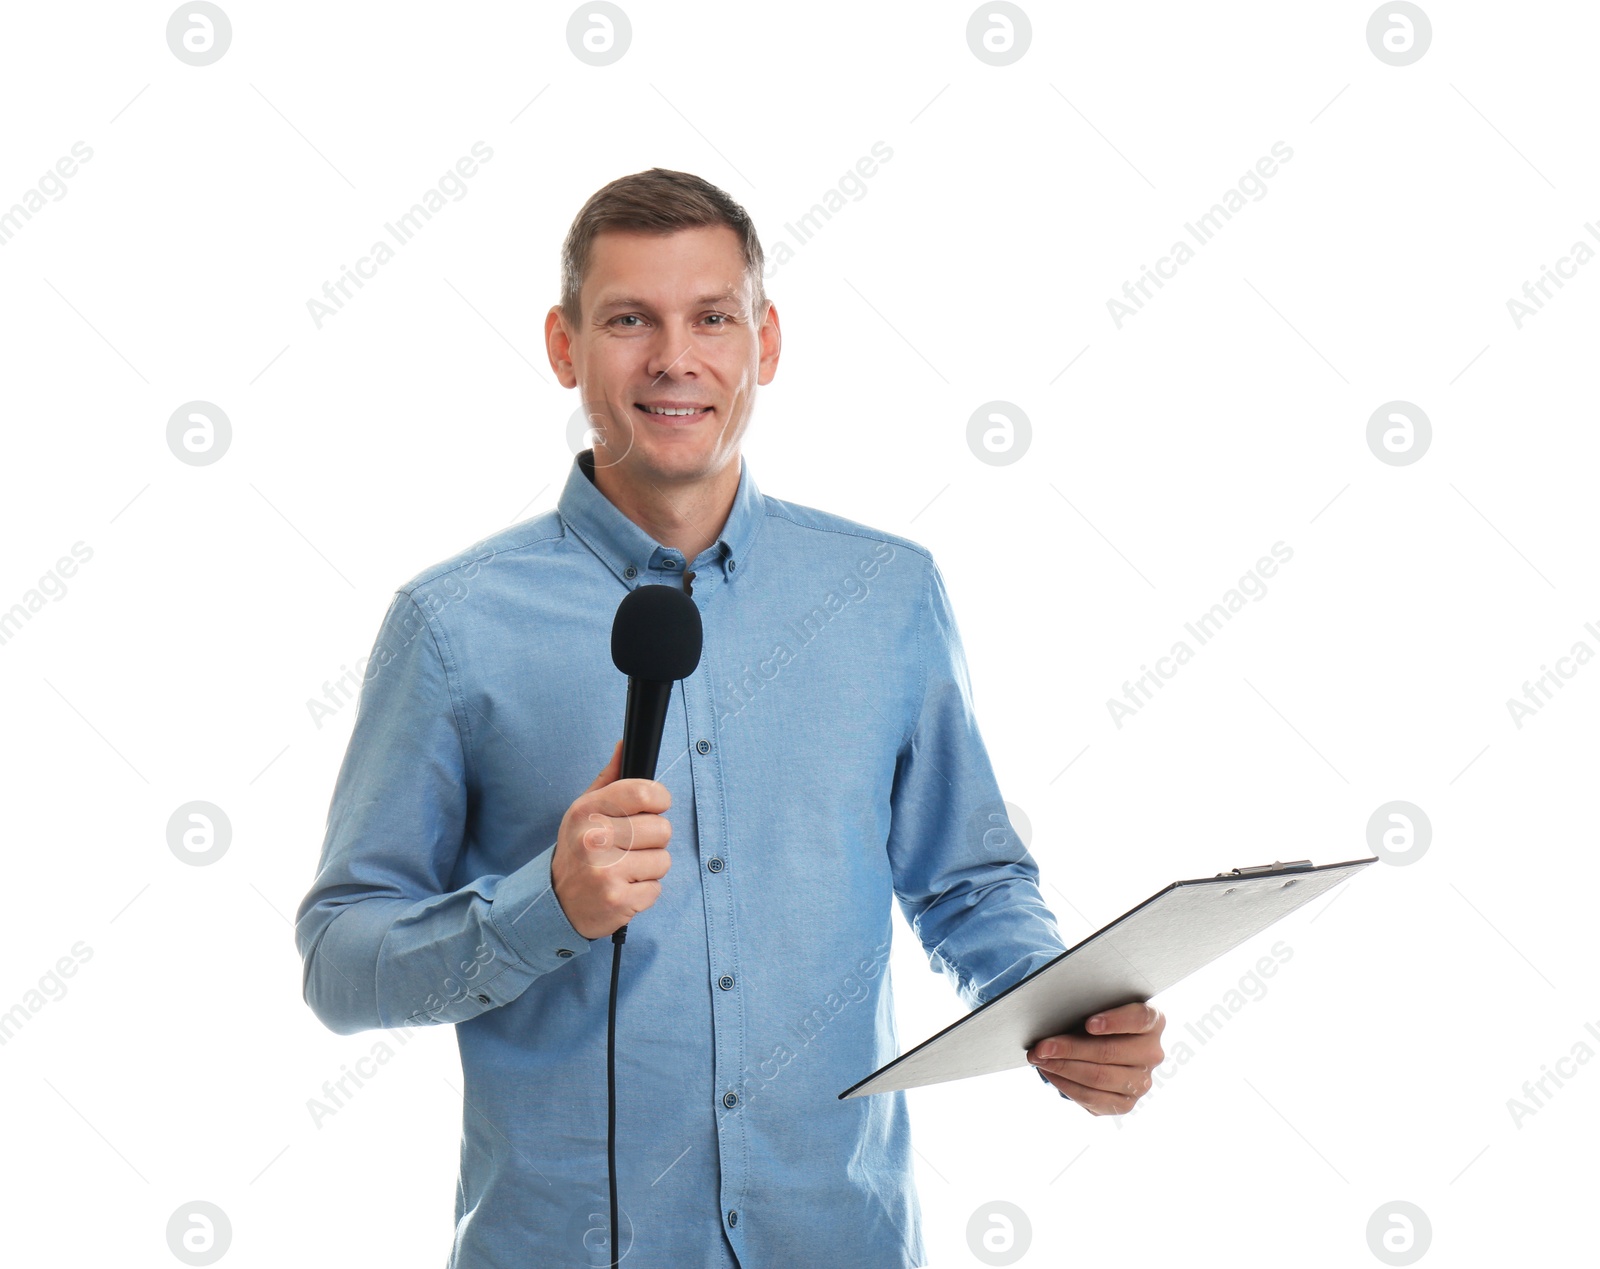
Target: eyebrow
(721, 297)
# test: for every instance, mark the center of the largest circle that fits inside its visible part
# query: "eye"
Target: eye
(635, 317)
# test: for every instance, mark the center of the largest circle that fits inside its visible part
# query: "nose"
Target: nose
(672, 354)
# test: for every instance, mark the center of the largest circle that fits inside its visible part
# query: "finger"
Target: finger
(1093, 1100)
(642, 895)
(640, 832)
(645, 864)
(609, 841)
(639, 895)
(609, 772)
(1126, 1020)
(598, 840)
(608, 838)
(634, 796)
(1129, 1081)
(1115, 1050)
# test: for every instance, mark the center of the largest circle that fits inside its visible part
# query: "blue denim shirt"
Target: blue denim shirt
(823, 760)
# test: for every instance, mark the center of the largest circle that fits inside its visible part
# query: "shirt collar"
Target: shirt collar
(630, 552)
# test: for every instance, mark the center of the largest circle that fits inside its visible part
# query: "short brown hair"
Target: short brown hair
(657, 201)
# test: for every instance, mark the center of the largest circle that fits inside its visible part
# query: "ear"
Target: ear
(558, 347)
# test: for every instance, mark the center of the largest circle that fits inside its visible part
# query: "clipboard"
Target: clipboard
(1144, 951)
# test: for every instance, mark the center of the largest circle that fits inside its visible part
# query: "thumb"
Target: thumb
(610, 771)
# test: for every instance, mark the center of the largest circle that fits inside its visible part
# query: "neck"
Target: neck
(687, 516)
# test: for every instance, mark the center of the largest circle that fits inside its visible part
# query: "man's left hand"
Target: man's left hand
(1108, 1070)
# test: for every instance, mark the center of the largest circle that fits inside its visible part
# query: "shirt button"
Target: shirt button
(702, 746)
(730, 1100)
(733, 1218)
(562, 951)
(483, 1000)
(714, 864)
(726, 983)
(630, 572)
(732, 564)
(669, 563)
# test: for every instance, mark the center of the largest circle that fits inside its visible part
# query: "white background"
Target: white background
(1230, 414)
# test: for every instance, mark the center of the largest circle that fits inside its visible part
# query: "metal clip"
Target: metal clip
(1294, 865)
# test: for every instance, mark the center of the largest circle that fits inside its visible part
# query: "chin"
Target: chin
(680, 461)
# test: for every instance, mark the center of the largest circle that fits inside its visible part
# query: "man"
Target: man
(822, 760)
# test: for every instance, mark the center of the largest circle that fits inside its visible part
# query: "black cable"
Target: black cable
(617, 940)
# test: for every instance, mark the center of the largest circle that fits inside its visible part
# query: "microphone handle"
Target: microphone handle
(643, 723)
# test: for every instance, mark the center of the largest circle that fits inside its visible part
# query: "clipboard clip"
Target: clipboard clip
(1294, 865)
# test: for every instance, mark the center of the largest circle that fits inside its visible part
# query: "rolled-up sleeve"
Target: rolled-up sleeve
(967, 884)
(384, 942)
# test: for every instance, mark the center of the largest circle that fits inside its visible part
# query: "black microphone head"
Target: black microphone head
(656, 634)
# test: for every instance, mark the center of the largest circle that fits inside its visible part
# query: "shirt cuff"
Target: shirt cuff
(528, 915)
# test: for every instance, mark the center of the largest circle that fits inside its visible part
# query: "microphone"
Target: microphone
(656, 640)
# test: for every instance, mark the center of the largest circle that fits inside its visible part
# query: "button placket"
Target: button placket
(727, 1015)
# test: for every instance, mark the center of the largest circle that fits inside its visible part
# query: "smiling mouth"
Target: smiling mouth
(676, 415)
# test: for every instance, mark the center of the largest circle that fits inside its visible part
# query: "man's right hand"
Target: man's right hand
(611, 851)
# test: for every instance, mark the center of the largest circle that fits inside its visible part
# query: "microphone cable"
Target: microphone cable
(656, 639)
(617, 940)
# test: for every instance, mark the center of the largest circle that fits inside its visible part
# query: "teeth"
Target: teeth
(675, 413)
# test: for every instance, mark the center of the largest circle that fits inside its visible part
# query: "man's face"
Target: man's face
(667, 322)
